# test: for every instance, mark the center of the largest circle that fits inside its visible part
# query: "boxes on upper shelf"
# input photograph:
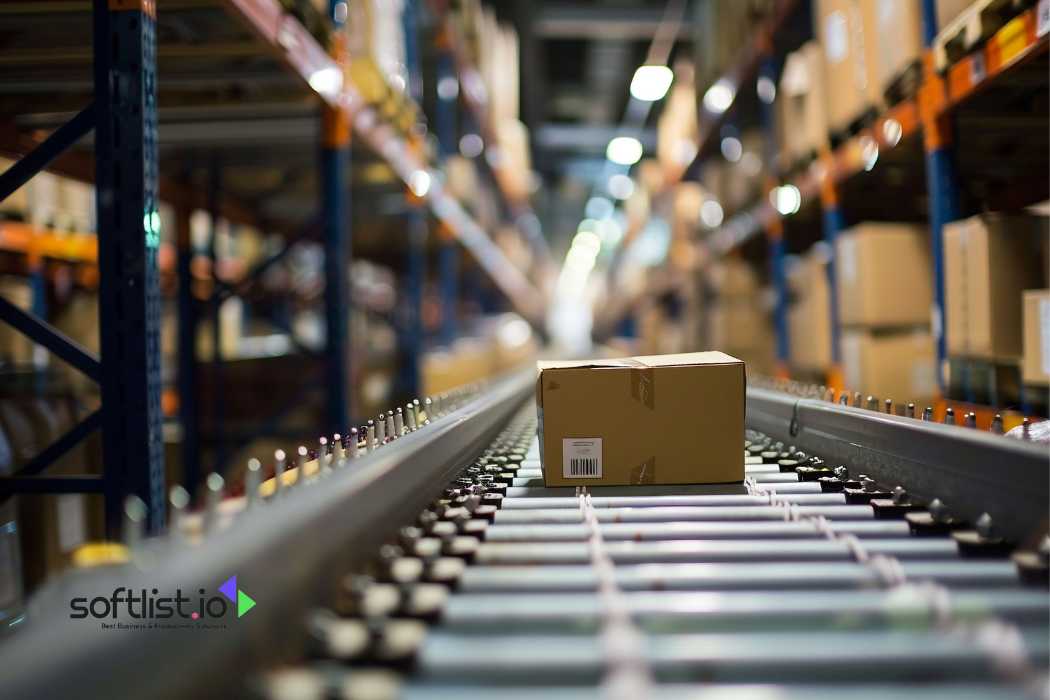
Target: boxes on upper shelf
(893, 29)
(801, 100)
(947, 10)
(847, 54)
(898, 365)
(989, 259)
(883, 275)
(1035, 365)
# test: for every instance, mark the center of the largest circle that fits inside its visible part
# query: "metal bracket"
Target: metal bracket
(972, 472)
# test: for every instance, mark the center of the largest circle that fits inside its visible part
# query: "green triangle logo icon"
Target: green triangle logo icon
(244, 603)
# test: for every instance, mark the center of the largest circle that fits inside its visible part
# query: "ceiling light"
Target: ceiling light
(471, 145)
(711, 213)
(650, 83)
(766, 89)
(621, 186)
(719, 96)
(624, 150)
(419, 183)
(587, 240)
(750, 164)
(327, 81)
(732, 149)
(786, 199)
(598, 208)
(892, 132)
(448, 88)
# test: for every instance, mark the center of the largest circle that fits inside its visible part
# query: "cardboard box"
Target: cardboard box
(894, 30)
(15, 347)
(469, 360)
(662, 419)
(883, 275)
(1035, 366)
(898, 365)
(847, 54)
(947, 10)
(737, 325)
(809, 318)
(732, 278)
(989, 260)
(801, 101)
(15, 205)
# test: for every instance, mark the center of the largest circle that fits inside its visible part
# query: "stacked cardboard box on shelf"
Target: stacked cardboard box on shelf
(884, 286)
(801, 101)
(947, 10)
(737, 321)
(1035, 368)
(809, 318)
(839, 26)
(893, 36)
(989, 260)
(15, 348)
(868, 45)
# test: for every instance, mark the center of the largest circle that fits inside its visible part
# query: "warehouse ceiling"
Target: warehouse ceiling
(577, 60)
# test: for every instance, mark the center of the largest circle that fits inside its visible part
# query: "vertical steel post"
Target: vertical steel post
(778, 255)
(217, 415)
(448, 271)
(941, 179)
(187, 348)
(448, 251)
(834, 222)
(38, 307)
(128, 239)
(416, 228)
(412, 309)
(335, 205)
(775, 231)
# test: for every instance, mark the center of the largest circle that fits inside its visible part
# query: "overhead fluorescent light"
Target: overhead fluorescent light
(650, 83)
(419, 183)
(624, 150)
(719, 96)
(620, 186)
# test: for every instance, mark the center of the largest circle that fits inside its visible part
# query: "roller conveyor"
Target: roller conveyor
(480, 582)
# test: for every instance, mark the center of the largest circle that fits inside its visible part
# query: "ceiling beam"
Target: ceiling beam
(599, 21)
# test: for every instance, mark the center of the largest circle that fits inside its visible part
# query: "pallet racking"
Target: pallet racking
(241, 72)
(1013, 58)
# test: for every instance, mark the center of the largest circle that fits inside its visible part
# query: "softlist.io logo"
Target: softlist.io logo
(150, 605)
(236, 595)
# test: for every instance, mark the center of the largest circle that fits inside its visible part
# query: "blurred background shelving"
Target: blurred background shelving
(347, 205)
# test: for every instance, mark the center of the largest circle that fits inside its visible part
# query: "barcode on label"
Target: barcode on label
(583, 466)
(581, 458)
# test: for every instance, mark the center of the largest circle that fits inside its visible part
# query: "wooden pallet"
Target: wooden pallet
(973, 27)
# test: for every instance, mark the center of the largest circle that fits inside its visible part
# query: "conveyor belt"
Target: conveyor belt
(439, 566)
(778, 588)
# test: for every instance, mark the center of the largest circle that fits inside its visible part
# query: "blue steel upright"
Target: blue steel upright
(448, 251)
(778, 247)
(186, 374)
(411, 317)
(335, 206)
(834, 222)
(128, 240)
(942, 188)
(411, 332)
